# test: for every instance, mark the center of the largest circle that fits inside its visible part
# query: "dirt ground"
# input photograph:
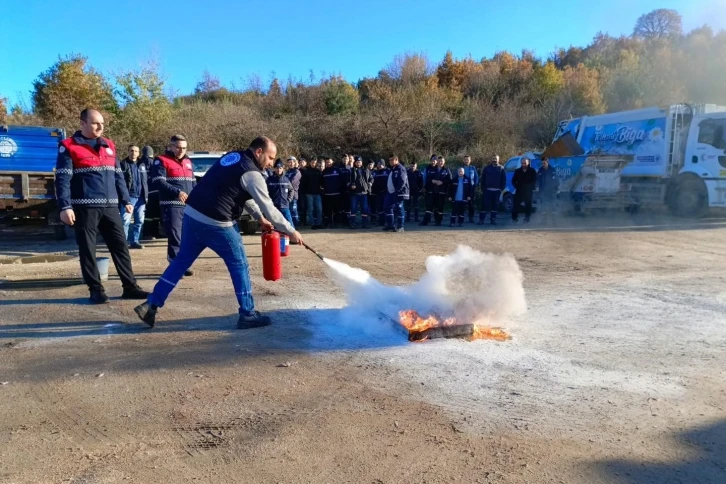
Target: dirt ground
(616, 373)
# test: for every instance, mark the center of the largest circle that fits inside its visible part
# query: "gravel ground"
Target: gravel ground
(616, 373)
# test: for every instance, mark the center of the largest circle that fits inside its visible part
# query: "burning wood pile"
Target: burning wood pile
(432, 327)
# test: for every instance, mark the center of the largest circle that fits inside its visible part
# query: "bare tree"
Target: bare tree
(207, 84)
(658, 24)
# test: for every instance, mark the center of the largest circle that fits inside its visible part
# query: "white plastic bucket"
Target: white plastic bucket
(102, 264)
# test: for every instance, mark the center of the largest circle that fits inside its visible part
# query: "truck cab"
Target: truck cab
(704, 167)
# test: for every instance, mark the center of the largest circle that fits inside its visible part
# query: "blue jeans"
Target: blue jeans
(139, 214)
(288, 216)
(295, 216)
(359, 201)
(395, 215)
(126, 217)
(315, 209)
(226, 243)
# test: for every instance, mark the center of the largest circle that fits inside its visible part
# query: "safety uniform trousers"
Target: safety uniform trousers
(457, 211)
(90, 221)
(395, 214)
(172, 218)
(489, 204)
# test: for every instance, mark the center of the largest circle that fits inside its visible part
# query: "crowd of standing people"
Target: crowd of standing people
(321, 193)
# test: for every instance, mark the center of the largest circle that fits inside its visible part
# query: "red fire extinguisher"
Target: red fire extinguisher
(271, 263)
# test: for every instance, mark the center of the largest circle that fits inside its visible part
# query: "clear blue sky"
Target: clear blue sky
(355, 39)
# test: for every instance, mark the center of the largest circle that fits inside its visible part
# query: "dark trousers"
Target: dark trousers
(522, 197)
(393, 210)
(89, 222)
(344, 210)
(381, 207)
(331, 206)
(372, 208)
(457, 211)
(412, 207)
(430, 202)
(302, 206)
(439, 202)
(489, 203)
(172, 217)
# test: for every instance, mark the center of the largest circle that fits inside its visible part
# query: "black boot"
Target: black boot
(98, 296)
(147, 313)
(134, 292)
(253, 320)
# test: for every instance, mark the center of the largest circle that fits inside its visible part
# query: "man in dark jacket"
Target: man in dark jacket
(331, 192)
(89, 186)
(547, 186)
(302, 165)
(396, 194)
(359, 187)
(415, 187)
(173, 176)
(430, 174)
(379, 190)
(137, 185)
(152, 205)
(281, 191)
(312, 185)
(371, 197)
(345, 168)
(294, 175)
(461, 192)
(524, 182)
(493, 180)
(441, 190)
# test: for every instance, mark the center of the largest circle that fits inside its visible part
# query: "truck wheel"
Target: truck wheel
(689, 199)
(508, 202)
(249, 227)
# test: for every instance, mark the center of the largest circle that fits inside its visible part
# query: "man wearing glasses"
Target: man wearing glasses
(172, 175)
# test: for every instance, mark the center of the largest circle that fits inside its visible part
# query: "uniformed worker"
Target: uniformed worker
(232, 184)
(396, 195)
(430, 175)
(173, 176)
(89, 187)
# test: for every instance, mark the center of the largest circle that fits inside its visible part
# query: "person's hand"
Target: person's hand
(68, 216)
(183, 197)
(468, 199)
(265, 224)
(352, 187)
(450, 199)
(296, 238)
(129, 208)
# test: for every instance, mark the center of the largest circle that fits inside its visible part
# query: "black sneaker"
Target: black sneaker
(134, 292)
(188, 273)
(461, 224)
(98, 296)
(492, 222)
(423, 224)
(147, 313)
(136, 246)
(387, 229)
(254, 320)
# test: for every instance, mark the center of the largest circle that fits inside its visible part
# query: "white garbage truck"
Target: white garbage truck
(677, 153)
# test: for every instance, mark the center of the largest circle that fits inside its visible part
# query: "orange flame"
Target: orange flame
(414, 323)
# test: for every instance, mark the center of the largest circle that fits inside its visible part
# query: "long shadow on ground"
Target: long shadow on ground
(707, 466)
(188, 342)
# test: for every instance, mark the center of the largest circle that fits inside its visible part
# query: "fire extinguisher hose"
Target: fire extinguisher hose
(320, 256)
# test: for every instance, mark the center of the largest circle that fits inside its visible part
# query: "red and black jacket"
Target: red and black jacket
(88, 174)
(171, 176)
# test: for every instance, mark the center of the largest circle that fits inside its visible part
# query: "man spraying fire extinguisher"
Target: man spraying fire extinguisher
(234, 183)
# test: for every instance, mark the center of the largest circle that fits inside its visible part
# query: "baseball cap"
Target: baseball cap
(357, 158)
(291, 158)
(279, 164)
